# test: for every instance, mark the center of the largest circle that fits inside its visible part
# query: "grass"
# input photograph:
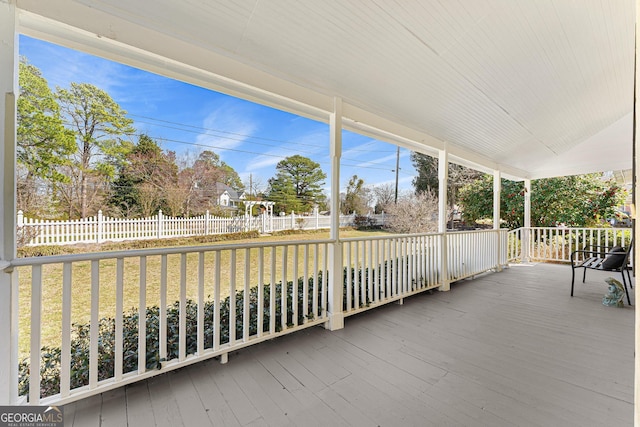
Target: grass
(81, 277)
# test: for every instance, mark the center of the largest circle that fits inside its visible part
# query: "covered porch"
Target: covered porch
(516, 90)
(508, 348)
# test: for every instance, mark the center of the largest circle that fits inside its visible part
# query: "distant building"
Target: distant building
(227, 197)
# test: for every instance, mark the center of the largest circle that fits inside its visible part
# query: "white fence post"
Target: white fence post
(317, 212)
(207, 218)
(100, 226)
(293, 220)
(160, 230)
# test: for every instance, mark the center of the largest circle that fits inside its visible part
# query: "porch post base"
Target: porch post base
(335, 322)
(445, 287)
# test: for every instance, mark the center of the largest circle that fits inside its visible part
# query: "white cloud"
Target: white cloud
(262, 161)
(230, 125)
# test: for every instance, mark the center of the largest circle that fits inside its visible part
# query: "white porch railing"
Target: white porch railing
(556, 243)
(189, 304)
(100, 228)
(193, 298)
(471, 253)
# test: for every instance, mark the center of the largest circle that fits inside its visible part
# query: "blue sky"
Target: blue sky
(188, 119)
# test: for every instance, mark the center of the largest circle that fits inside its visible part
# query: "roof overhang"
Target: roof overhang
(531, 90)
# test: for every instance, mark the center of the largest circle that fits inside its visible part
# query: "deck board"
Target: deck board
(508, 348)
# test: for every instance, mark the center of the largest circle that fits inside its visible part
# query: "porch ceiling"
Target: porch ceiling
(535, 89)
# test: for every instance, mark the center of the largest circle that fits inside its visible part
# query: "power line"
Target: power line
(162, 138)
(242, 137)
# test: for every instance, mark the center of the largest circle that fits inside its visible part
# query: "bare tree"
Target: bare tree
(149, 198)
(175, 199)
(385, 195)
(417, 213)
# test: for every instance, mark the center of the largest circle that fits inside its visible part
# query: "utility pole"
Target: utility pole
(397, 170)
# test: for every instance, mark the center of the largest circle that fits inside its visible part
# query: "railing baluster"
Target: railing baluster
(305, 289)
(200, 303)
(325, 281)
(94, 328)
(217, 328)
(283, 291)
(232, 298)
(394, 258)
(387, 263)
(294, 290)
(272, 292)
(163, 307)
(182, 321)
(119, 344)
(260, 308)
(142, 317)
(36, 325)
(65, 356)
(349, 274)
(357, 277)
(246, 313)
(374, 267)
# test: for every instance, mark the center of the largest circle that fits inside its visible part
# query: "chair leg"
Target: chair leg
(629, 277)
(624, 281)
(573, 278)
(584, 275)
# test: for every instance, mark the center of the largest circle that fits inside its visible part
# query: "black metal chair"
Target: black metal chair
(603, 258)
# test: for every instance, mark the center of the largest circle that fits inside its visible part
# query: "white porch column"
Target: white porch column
(8, 278)
(497, 187)
(526, 235)
(336, 316)
(443, 184)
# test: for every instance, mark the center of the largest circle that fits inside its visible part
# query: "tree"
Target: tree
(415, 213)
(297, 185)
(576, 201)
(43, 143)
(385, 195)
(356, 198)
(199, 181)
(427, 179)
(146, 178)
(100, 126)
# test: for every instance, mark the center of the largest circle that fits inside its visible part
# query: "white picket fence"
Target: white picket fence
(100, 228)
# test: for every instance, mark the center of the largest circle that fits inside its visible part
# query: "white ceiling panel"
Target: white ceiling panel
(519, 85)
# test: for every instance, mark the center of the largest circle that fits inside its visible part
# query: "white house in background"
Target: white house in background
(228, 198)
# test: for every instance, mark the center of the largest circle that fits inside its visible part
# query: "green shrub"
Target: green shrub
(362, 222)
(80, 343)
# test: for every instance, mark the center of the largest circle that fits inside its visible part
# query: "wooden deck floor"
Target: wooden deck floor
(505, 349)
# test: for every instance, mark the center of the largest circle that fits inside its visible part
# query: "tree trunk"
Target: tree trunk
(83, 196)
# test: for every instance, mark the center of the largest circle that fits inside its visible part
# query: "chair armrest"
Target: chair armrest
(597, 248)
(590, 254)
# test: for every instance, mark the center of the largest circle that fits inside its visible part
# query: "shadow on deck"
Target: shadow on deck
(510, 348)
